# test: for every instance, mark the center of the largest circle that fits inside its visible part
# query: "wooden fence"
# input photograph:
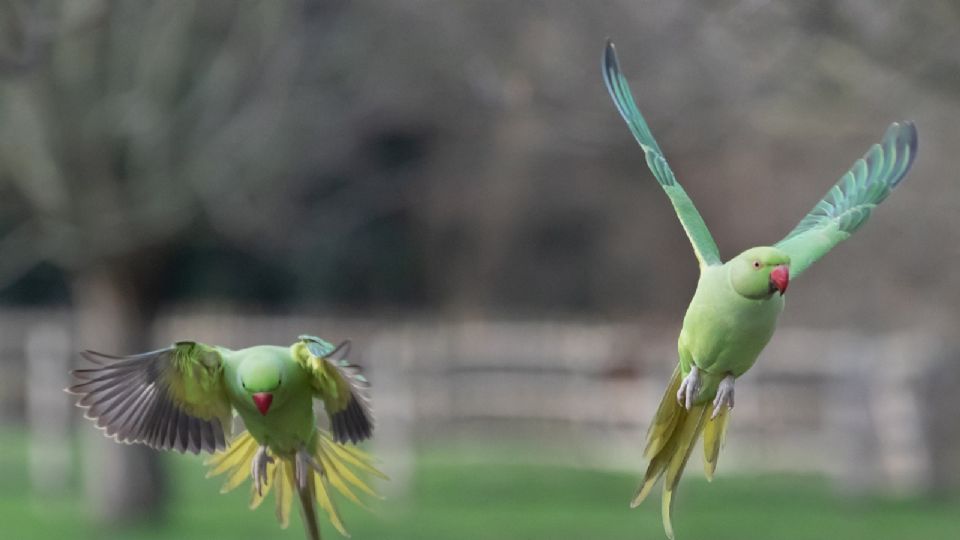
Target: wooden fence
(871, 412)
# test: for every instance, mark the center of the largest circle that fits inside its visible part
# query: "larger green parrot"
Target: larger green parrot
(183, 397)
(734, 310)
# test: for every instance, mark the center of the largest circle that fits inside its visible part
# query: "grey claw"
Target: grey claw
(304, 463)
(724, 396)
(689, 388)
(259, 468)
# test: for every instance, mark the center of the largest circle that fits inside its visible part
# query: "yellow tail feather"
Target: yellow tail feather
(231, 456)
(335, 477)
(670, 441)
(328, 506)
(339, 463)
(350, 454)
(686, 439)
(714, 434)
(239, 474)
(666, 418)
(283, 478)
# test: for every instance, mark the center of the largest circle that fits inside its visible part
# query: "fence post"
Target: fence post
(880, 412)
(940, 402)
(898, 411)
(851, 423)
(47, 348)
(389, 360)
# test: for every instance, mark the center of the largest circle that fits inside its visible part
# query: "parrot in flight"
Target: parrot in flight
(183, 398)
(735, 307)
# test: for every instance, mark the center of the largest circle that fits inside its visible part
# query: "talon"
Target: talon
(304, 463)
(259, 468)
(689, 388)
(724, 396)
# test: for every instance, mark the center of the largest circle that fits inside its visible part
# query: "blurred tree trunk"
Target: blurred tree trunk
(123, 123)
(126, 480)
(48, 350)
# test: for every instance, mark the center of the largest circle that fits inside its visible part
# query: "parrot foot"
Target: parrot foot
(724, 396)
(689, 388)
(305, 464)
(259, 468)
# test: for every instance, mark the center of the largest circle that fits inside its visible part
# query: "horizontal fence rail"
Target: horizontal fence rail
(864, 410)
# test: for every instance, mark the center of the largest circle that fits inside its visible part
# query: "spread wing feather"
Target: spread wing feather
(847, 206)
(342, 387)
(703, 244)
(169, 399)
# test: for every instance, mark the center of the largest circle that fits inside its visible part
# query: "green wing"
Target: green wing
(170, 399)
(848, 204)
(703, 244)
(341, 386)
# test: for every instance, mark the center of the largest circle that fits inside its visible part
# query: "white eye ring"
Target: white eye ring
(756, 264)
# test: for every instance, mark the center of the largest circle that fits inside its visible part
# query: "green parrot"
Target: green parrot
(183, 398)
(734, 310)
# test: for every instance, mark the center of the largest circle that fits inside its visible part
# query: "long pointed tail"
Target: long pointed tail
(670, 441)
(308, 510)
(340, 464)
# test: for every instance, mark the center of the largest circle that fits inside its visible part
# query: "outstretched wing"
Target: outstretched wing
(703, 244)
(341, 386)
(848, 204)
(173, 398)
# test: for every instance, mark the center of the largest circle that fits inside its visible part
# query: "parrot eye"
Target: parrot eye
(756, 264)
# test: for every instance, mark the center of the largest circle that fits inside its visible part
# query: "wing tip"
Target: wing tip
(904, 133)
(96, 358)
(610, 65)
(902, 139)
(913, 137)
(609, 49)
(343, 348)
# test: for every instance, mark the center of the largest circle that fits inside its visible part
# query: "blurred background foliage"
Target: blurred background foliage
(461, 156)
(454, 161)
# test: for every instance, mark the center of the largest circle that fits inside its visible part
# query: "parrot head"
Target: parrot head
(260, 378)
(758, 273)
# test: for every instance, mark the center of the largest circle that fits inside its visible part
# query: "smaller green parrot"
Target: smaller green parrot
(183, 398)
(734, 310)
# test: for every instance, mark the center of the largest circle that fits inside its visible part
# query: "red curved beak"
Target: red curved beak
(780, 278)
(263, 400)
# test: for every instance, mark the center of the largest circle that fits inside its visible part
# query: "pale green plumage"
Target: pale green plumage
(734, 310)
(181, 398)
(724, 332)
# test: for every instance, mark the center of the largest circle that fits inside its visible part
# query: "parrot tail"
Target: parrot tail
(670, 441)
(340, 464)
(308, 509)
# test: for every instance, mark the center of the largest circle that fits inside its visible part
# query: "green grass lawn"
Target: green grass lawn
(470, 501)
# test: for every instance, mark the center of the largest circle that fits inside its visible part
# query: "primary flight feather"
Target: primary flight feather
(183, 398)
(735, 308)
